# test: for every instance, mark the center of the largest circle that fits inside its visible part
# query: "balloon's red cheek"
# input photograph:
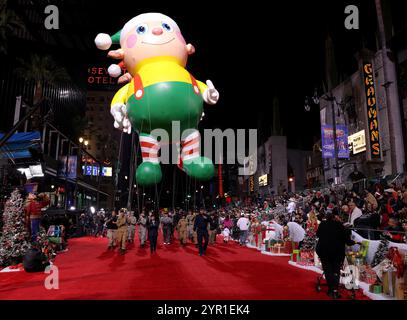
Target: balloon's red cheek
(131, 41)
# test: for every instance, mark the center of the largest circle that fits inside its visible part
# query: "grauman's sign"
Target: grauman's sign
(372, 120)
(100, 76)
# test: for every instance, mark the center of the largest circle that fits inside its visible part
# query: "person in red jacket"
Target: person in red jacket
(394, 232)
(33, 212)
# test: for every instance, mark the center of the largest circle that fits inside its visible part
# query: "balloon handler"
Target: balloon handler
(160, 91)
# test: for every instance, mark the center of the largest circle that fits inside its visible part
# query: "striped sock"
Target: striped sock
(190, 147)
(149, 148)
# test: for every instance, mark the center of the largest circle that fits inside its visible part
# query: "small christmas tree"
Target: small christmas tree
(381, 252)
(310, 239)
(13, 242)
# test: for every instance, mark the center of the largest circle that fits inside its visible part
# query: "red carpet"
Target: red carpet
(88, 271)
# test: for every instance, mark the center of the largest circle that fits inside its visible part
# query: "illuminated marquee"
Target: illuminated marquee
(251, 184)
(263, 180)
(373, 123)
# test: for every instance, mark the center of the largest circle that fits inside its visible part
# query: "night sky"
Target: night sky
(251, 51)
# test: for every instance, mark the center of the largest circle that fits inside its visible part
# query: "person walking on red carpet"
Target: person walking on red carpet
(142, 228)
(213, 227)
(122, 230)
(152, 225)
(201, 228)
(131, 228)
(190, 219)
(166, 223)
(243, 224)
(332, 239)
(112, 230)
(182, 230)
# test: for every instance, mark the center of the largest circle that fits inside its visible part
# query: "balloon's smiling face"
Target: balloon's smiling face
(152, 39)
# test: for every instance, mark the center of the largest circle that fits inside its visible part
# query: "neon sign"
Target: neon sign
(373, 122)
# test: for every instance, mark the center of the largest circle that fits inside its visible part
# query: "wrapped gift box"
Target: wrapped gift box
(270, 243)
(287, 245)
(307, 257)
(367, 274)
(277, 248)
(389, 282)
(401, 291)
(376, 288)
(295, 255)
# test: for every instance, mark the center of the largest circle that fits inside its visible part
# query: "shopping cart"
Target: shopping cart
(349, 279)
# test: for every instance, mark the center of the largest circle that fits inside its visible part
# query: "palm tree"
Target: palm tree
(42, 70)
(9, 22)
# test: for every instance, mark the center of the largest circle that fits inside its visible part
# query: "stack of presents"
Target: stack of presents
(302, 257)
(278, 246)
(391, 276)
(387, 278)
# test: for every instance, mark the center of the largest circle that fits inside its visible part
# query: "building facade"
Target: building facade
(362, 106)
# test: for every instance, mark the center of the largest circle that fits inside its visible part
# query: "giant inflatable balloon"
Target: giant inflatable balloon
(160, 91)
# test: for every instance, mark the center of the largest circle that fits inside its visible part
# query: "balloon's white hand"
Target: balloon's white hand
(210, 95)
(121, 121)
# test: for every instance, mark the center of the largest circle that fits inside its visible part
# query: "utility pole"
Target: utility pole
(174, 173)
(131, 178)
(336, 166)
(66, 175)
(117, 171)
(99, 181)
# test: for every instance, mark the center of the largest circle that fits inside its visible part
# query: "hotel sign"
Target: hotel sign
(372, 119)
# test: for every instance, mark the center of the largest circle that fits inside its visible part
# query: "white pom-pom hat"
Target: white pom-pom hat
(114, 70)
(103, 41)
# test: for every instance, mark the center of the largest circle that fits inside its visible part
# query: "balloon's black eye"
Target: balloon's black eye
(141, 29)
(166, 27)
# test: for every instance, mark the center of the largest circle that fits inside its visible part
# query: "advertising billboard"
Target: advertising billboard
(328, 147)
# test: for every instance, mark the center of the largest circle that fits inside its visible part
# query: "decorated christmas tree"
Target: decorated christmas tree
(310, 240)
(381, 252)
(13, 242)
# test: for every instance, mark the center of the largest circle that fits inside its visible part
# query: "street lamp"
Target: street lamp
(80, 140)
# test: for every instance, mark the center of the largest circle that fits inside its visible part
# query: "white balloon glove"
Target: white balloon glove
(121, 121)
(210, 95)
